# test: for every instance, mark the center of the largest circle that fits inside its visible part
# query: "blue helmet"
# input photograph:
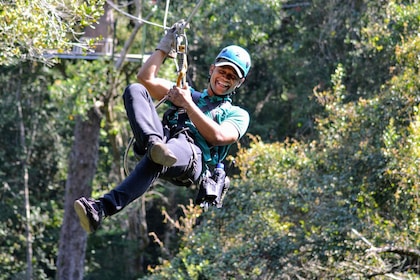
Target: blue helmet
(236, 57)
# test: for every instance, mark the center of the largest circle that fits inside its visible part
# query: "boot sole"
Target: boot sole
(83, 218)
(160, 154)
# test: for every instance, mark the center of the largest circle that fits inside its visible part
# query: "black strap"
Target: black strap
(209, 105)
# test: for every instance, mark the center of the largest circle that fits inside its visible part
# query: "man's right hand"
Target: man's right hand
(168, 42)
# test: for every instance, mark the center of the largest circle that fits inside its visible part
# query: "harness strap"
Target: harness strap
(209, 105)
(195, 96)
(185, 178)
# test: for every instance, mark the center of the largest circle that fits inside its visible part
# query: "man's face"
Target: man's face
(223, 79)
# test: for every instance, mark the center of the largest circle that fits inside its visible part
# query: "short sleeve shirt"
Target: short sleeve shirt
(225, 112)
(221, 111)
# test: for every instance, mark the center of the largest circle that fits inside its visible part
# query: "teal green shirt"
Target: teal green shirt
(225, 112)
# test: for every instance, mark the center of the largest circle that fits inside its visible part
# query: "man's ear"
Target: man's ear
(240, 82)
(211, 69)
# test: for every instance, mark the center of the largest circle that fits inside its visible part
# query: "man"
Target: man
(175, 150)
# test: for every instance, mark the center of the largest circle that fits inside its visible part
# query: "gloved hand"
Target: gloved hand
(168, 41)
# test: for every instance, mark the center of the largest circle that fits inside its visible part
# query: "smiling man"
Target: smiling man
(182, 147)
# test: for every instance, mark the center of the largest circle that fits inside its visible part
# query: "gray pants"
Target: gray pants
(147, 126)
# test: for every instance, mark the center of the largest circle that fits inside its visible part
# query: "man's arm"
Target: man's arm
(147, 76)
(216, 134)
(148, 73)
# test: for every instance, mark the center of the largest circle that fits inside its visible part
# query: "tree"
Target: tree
(97, 96)
(33, 149)
(343, 205)
(83, 161)
(24, 163)
(30, 30)
(341, 202)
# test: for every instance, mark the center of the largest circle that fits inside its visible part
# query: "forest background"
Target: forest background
(324, 186)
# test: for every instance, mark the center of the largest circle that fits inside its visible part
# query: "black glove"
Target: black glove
(168, 42)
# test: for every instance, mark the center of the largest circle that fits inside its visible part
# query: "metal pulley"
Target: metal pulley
(181, 46)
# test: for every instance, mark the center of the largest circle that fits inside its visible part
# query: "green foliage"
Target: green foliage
(82, 87)
(297, 208)
(44, 157)
(30, 28)
(342, 74)
(343, 206)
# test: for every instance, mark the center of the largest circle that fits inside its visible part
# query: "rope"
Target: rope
(182, 63)
(125, 158)
(182, 49)
(166, 13)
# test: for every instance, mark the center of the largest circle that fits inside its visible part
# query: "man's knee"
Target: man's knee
(133, 90)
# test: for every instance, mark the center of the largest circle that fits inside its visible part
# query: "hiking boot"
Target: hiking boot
(160, 154)
(90, 213)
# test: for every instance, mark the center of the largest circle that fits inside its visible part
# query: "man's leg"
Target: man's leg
(133, 186)
(146, 125)
(144, 120)
(147, 171)
(146, 131)
(91, 211)
(188, 155)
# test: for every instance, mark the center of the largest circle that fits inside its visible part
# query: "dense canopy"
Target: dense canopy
(325, 185)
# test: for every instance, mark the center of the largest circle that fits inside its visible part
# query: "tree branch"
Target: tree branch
(397, 250)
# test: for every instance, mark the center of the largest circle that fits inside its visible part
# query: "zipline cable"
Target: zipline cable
(181, 46)
(131, 16)
(194, 11)
(115, 7)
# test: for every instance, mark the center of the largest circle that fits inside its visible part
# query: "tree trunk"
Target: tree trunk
(25, 172)
(138, 232)
(103, 32)
(82, 168)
